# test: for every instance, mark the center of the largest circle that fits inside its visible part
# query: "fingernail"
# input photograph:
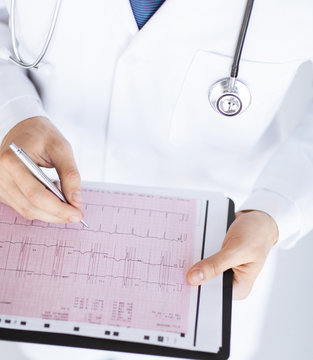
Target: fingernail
(74, 219)
(77, 197)
(196, 277)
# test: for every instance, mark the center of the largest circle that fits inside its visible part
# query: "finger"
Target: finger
(21, 205)
(244, 278)
(241, 289)
(61, 156)
(40, 198)
(213, 266)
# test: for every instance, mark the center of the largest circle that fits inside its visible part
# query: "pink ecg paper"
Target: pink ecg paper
(128, 269)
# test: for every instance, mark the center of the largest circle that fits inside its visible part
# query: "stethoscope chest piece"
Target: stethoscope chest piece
(229, 96)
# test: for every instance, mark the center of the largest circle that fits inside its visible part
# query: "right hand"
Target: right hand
(20, 190)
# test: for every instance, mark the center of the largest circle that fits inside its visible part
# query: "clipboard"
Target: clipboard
(11, 325)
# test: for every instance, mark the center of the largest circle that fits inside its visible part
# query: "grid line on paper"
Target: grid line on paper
(128, 269)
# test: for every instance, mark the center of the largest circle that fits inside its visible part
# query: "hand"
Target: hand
(19, 188)
(245, 247)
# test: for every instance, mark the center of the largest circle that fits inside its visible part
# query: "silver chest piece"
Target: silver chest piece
(229, 96)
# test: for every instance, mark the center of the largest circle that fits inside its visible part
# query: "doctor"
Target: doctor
(130, 102)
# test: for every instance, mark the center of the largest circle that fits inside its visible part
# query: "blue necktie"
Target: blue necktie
(144, 9)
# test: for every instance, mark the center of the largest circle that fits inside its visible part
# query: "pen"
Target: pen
(39, 174)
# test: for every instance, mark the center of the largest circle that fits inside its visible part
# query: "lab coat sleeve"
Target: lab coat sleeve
(19, 99)
(284, 189)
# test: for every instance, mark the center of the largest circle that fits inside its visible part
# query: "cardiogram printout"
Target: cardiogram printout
(123, 277)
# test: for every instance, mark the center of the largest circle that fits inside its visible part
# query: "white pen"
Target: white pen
(39, 174)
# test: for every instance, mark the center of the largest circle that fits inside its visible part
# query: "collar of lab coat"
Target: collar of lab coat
(214, 26)
(182, 26)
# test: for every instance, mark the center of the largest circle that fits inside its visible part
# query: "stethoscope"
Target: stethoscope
(16, 58)
(228, 96)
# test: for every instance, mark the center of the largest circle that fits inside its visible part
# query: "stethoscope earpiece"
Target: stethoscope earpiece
(229, 96)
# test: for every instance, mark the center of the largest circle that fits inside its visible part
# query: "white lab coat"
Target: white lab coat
(134, 105)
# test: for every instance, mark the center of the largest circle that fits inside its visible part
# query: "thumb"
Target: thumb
(211, 267)
(63, 160)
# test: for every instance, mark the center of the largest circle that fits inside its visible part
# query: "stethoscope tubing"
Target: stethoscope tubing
(230, 96)
(226, 89)
(241, 39)
(17, 58)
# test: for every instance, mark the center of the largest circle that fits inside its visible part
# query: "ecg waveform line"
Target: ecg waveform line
(133, 269)
(35, 244)
(184, 216)
(181, 238)
(136, 252)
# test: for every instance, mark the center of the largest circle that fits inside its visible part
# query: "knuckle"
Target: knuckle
(60, 144)
(66, 145)
(71, 174)
(33, 196)
(215, 268)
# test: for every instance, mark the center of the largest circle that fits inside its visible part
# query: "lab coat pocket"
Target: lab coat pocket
(197, 125)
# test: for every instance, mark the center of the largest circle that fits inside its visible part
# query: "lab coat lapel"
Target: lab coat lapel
(125, 14)
(187, 25)
(150, 73)
(182, 27)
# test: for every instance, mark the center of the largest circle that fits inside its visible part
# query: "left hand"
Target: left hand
(245, 247)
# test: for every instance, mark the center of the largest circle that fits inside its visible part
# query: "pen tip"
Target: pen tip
(84, 223)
